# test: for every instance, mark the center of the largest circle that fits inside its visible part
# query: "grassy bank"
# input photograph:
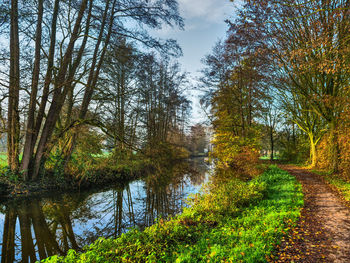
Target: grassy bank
(235, 221)
(337, 182)
(98, 172)
(88, 171)
(95, 173)
(342, 185)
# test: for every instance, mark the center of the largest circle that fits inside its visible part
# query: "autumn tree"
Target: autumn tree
(305, 47)
(198, 139)
(310, 42)
(237, 76)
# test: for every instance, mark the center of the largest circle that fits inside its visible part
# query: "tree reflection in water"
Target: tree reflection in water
(28, 236)
(38, 228)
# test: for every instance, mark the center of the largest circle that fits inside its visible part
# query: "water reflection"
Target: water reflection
(28, 235)
(37, 228)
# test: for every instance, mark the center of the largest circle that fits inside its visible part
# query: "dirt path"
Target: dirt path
(323, 233)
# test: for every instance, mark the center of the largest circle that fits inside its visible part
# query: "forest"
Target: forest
(92, 98)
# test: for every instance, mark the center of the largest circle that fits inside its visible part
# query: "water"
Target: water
(34, 229)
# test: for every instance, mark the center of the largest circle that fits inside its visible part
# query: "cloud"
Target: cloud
(206, 10)
(201, 15)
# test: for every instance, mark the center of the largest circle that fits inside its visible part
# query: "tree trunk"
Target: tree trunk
(122, 111)
(27, 153)
(250, 106)
(27, 159)
(96, 66)
(13, 131)
(271, 144)
(313, 153)
(59, 96)
(94, 73)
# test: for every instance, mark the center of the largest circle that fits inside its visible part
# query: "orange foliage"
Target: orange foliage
(342, 133)
(236, 157)
(245, 163)
(344, 150)
(344, 142)
(323, 154)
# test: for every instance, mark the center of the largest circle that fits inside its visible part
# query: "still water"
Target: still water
(34, 229)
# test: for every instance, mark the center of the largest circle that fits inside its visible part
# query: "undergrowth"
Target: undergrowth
(337, 181)
(234, 221)
(342, 185)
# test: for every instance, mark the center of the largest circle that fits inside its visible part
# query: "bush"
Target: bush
(227, 199)
(237, 154)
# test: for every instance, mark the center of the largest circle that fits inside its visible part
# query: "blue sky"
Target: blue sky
(204, 25)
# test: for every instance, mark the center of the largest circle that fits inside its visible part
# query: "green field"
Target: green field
(268, 157)
(3, 159)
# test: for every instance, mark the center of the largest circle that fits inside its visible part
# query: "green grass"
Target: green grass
(3, 160)
(235, 222)
(342, 185)
(268, 157)
(102, 154)
(265, 157)
(338, 182)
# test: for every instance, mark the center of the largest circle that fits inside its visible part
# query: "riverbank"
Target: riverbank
(91, 172)
(74, 219)
(97, 176)
(232, 221)
(15, 188)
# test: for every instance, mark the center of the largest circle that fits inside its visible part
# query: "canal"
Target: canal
(35, 228)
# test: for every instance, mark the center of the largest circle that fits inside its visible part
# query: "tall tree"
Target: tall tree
(310, 43)
(13, 126)
(69, 46)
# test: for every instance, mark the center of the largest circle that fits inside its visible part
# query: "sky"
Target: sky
(204, 26)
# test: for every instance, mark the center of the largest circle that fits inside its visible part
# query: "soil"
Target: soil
(323, 232)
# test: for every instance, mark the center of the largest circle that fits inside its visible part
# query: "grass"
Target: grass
(268, 157)
(342, 185)
(3, 160)
(235, 221)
